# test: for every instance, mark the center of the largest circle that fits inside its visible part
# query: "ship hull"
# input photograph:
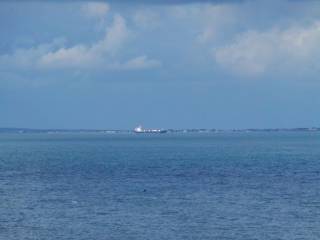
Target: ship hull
(139, 129)
(151, 131)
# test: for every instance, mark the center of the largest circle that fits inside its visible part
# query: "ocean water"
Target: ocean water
(205, 186)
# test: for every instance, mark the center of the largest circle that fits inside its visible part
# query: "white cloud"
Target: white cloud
(208, 21)
(100, 55)
(75, 56)
(95, 9)
(215, 20)
(141, 62)
(28, 58)
(89, 56)
(295, 49)
(114, 38)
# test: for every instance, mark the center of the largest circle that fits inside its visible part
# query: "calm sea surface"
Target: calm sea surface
(206, 186)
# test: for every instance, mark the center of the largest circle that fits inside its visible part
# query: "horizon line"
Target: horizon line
(173, 129)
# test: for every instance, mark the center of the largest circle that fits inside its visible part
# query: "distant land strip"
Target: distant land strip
(192, 130)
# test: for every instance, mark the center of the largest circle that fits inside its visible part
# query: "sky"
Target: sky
(163, 64)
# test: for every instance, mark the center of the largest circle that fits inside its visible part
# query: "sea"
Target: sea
(92, 186)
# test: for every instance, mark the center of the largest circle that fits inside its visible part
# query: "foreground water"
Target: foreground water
(211, 186)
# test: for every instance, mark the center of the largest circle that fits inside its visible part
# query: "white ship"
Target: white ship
(139, 129)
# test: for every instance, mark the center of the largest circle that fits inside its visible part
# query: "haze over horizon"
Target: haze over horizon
(188, 64)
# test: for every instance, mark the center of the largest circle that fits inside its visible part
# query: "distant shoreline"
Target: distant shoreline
(193, 130)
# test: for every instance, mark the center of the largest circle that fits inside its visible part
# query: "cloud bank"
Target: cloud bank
(241, 44)
(101, 55)
(295, 49)
(89, 56)
(96, 9)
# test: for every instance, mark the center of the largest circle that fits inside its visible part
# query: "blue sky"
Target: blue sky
(169, 64)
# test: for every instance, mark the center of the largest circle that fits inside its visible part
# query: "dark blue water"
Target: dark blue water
(215, 186)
